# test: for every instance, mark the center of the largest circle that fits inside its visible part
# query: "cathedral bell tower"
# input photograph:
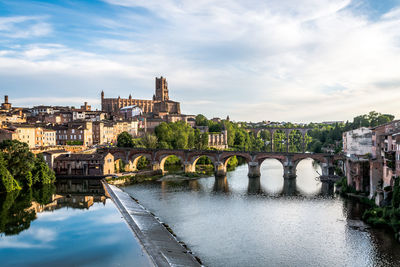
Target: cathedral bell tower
(161, 89)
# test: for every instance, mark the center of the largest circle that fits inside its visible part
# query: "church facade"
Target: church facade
(161, 105)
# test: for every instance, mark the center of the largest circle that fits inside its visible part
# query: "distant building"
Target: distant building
(50, 155)
(218, 120)
(357, 146)
(22, 133)
(129, 112)
(78, 133)
(84, 164)
(357, 142)
(160, 105)
(6, 105)
(218, 140)
(384, 149)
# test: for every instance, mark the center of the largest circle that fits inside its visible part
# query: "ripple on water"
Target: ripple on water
(237, 221)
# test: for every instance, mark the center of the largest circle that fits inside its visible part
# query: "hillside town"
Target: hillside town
(74, 129)
(372, 154)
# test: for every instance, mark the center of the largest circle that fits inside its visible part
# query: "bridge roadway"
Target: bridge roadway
(189, 158)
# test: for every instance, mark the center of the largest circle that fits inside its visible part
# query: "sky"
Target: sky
(254, 60)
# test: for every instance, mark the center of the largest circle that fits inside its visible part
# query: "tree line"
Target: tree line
(20, 168)
(321, 137)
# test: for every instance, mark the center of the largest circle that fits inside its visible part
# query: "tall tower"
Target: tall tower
(161, 89)
(6, 105)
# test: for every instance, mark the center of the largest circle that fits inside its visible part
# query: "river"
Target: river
(70, 224)
(237, 221)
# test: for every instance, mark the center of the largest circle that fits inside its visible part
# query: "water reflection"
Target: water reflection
(327, 188)
(20, 208)
(289, 187)
(71, 223)
(297, 222)
(254, 186)
(221, 185)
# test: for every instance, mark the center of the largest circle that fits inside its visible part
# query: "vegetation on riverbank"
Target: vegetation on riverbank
(388, 216)
(20, 168)
(378, 217)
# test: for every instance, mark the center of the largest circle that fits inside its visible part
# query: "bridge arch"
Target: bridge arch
(164, 157)
(308, 169)
(196, 158)
(226, 159)
(135, 159)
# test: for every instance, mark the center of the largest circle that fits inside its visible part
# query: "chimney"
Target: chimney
(6, 99)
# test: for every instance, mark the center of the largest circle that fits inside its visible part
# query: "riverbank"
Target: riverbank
(387, 217)
(157, 239)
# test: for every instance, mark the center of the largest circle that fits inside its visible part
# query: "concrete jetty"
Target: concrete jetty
(160, 245)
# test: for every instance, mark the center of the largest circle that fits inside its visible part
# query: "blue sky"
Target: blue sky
(253, 60)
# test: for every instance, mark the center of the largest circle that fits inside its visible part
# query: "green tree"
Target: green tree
(150, 141)
(201, 120)
(124, 139)
(41, 172)
(204, 141)
(19, 160)
(7, 181)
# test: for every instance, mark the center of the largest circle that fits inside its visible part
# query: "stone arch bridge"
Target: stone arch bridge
(189, 158)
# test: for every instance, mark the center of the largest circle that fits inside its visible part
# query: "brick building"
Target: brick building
(79, 132)
(160, 105)
(84, 164)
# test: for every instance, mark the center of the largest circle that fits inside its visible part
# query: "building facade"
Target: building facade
(160, 105)
(218, 140)
(78, 133)
(84, 164)
(357, 146)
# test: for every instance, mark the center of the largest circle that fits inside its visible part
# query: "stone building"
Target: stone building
(103, 133)
(106, 132)
(130, 112)
(160, 105)
(218, 140)
(79, 132)
(357, 146)
(9, 114)
(50, 155)
(6, 105)
(383, 162)
(22, 133)
(97, 164)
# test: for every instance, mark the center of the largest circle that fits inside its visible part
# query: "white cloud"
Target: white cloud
(23, 27)
(254, 60)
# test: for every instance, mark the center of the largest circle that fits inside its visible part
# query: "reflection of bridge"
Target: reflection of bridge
(287, 131)
(189, 158)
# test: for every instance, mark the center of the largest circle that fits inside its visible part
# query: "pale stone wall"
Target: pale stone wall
(357, 142)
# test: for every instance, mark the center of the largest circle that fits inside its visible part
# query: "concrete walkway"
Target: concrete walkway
(160, 245)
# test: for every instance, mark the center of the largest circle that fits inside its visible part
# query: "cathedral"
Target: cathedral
(159, 106)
